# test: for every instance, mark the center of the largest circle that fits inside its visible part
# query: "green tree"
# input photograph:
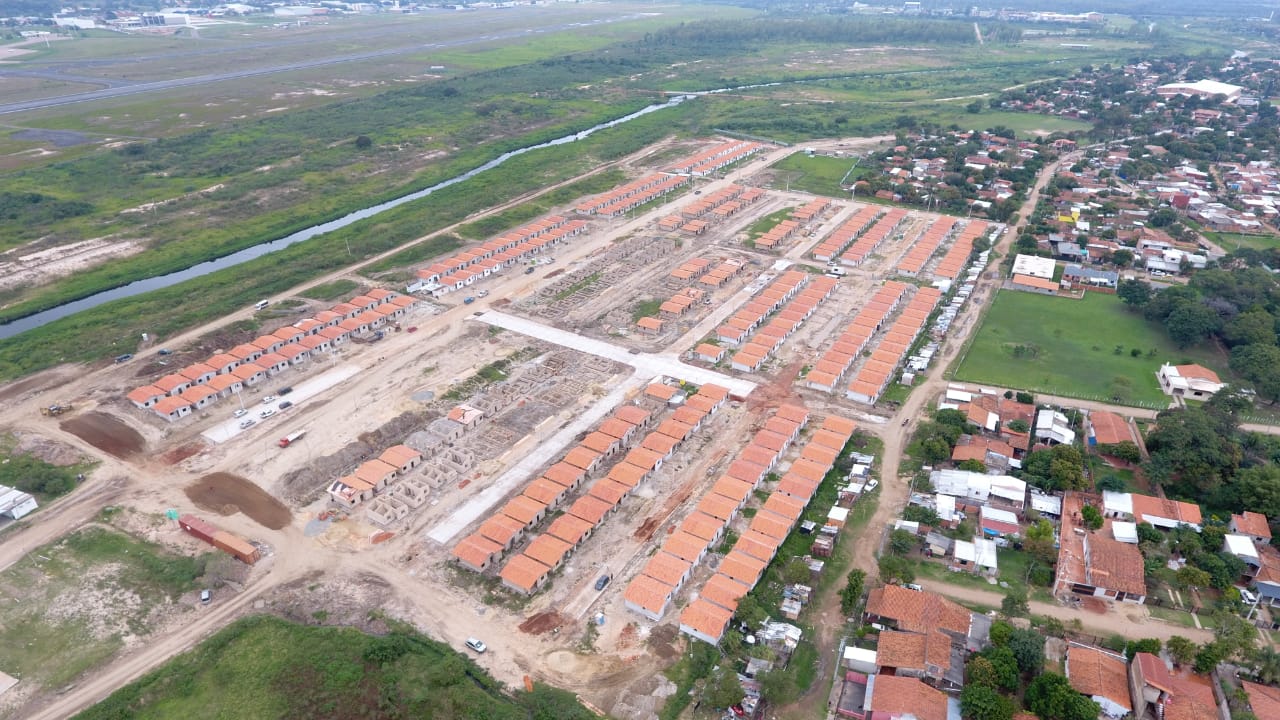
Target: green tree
(1134, 293)
(1259, 489)
(1001, 633)
(979, 702)
(1256, 363)
(903, 542)
(723, 688)
(1193, 577)
(1014, 603)
(750, 611)
(1039, 541)
(1209, 656)
(1004, 667)
(1051, 697)
(1028, 649)
(1146, 645)
(921, 514)
(852, 591)
(1091, 517)
(972, 465)
(1191, 323)
(1234, 632)
(1254, 326)
(1182, 650)
(796, 571)
(897, 568)
(1122, 257)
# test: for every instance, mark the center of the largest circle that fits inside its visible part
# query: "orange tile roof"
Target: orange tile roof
(819, 454)
(524, 572)
(746, 471)
(690, 416)
(1198, 372)
(661, 391)
(609, 491)
(674, 428)
(624, 473)
(644, 458)
(631, 414)
(706, 617)
(660, 444)
(718, 506)
(1172, 509)
(900, 696)
(794, 413)
(569, 528)
(807, 468)
(1191, 695)
(581, 457)
(145, 393)
(913, 651)
(1109, 428)
(564, 474)
(648, 593)
(831, 440)
(735, 490)
(917, 611)
(783, 506)
(615, 427)
(772, 441)
(548, 550)
(591, 509)
(701, 402)
(544, 491)
(757, 545)
(667, 568)
(685, 546)
(1035, 282)
(1094, 672)
(599, 442)
(375, 471)
(772, 525)
(723, 591)
(702, 525)
(837, 424)
(797, 487)
(1252, 523)
(476, 550)
(500, 529)
(742, 567)
(1263, 699)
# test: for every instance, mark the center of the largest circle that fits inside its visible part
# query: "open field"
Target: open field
(817, 174)
(1235, 241)
(1069, 347)
(72, 605)
(283, 669)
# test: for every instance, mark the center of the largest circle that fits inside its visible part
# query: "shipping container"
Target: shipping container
(198, 528)
(236, 547)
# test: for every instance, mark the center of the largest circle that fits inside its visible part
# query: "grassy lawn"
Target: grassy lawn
(768, 222)
(1170, 615)
(286, 670)
(1013, 572)
(1235, 241)
(817, 175)
(68, 604)
(1068, 347)
(1024, 124)
(330, 290)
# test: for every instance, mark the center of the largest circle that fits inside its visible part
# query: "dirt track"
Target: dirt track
(227, 494)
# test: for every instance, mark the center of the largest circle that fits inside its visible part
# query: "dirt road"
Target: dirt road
(1122, 619)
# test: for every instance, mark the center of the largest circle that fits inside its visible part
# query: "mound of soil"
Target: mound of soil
(106, 432)
(542, 622)
(228, 494)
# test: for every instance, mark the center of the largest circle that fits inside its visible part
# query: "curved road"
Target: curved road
(139, 88)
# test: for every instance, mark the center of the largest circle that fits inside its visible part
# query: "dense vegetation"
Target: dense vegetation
(291, 671)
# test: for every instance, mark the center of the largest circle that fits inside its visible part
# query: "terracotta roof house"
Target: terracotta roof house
(1093, 564)
(1108, 428)
(171, 408)
(1101, 676)
(146, 396)
(502, 530)
(668, 569)
(706, 621)
(571, 529)
(704, 526)
(718, 507)
(524, 510)
(172, 385)
(923, 611)
(199, 396)
(1158, 693)
(609, 491)
(402, 457)
(687, 547)
(702, 403)
(617, 428)
(774, 526)
(1264, 700)
(376, 472)
(661, 391)
(592, 509)
(624, 473)
(601, 443)
(1164, 513)
(549, 550)
(584, 458)
(784, 507)
(905, 697)
(633, 415)
(925, 655)
(546, 492)
(724, 591)
(757, 545)
(648, 597)
(524, 574)
(1193, 381)
(476, 552)
(662, 445)
(742, 567)
(565, 474)
(747, 471)
(1252, 524)
(645, 459)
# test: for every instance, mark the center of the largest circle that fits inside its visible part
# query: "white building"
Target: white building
(1193, 381)
(1034, 266)
(15, 503)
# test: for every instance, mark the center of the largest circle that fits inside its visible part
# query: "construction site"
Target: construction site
(512, 439)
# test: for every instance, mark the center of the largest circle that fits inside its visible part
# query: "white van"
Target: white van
(261, 304)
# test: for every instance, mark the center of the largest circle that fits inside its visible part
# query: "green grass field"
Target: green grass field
(1024, 124)
(1236, 241)
(264, 667)
(1068, 347)
(817, 175)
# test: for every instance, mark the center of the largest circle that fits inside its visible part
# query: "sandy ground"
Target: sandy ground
(153, 466)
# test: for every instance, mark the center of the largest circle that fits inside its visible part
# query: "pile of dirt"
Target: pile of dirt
(663, 641)
(50, 451)
(542, 622)
(324, 599)
(305, 484)
(106, 432)
(182, 452)
(227, 494)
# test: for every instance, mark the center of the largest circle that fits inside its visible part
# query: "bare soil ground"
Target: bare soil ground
(106, 432)
(228, 494)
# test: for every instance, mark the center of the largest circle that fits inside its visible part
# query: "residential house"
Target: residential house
(476, 552)
(648, 597)
(524, 575)
(1252, 524)
(1095, 565)
(1191, 381)
(1158, 693)
(899, 698)
(1100, 676)
(920, 611)
(929, 656)
(705, 621)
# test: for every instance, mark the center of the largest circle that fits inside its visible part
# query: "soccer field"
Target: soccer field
(1075, 348)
